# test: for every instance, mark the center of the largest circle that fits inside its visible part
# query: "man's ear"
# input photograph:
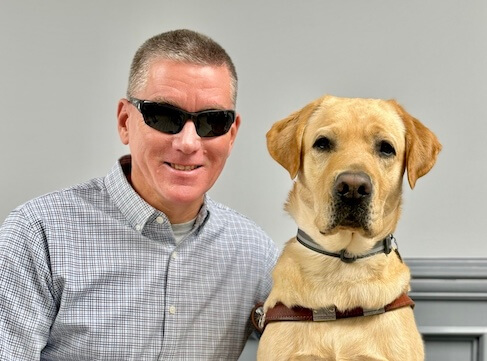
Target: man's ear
(285, 138)
(233, 131)
(422, 146)
(122, 116)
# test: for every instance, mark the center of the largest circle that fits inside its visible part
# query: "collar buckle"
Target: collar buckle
(388, 241)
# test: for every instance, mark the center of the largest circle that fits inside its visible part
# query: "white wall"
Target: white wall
(64, 65)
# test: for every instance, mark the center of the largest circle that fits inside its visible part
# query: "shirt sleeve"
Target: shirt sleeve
(27, 306)
(272, 255)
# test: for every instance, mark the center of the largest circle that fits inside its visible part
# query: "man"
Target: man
(142, 264)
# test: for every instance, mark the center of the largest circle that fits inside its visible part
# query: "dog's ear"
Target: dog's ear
(285, 137)
(422, 146)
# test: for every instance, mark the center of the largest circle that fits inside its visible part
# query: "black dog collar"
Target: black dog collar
(385, 246)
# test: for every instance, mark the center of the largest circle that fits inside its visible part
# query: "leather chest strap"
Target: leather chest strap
(281, 312)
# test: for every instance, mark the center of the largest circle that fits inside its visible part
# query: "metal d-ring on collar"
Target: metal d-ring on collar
(385, 246)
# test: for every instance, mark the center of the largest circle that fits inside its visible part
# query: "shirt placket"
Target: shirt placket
(172, 306)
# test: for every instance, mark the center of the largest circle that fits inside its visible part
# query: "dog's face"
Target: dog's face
(352, 160)
(350, 156)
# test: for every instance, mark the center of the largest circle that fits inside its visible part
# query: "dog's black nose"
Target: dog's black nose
(353, 186)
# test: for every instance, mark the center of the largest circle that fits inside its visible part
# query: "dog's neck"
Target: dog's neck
(384, 246)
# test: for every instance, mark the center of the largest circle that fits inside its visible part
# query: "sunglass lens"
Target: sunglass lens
(214, 124)
(163, 118)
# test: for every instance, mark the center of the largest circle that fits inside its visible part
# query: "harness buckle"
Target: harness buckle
(259, 312)
(325, 314)
(378, 311)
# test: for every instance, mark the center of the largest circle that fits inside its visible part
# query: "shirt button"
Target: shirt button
(160, 220)
(172, 310)
(138, 227)
(174, 255)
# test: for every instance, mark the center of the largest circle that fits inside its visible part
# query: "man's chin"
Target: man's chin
(185, 196)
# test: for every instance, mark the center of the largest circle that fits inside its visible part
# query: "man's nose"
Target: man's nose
(187, 140)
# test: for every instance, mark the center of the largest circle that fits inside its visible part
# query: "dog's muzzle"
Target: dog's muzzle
(352, 192)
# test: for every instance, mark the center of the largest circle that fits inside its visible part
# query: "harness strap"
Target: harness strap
(281, 312)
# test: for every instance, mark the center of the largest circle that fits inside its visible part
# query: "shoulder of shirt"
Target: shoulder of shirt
(221, 210)
(65, 196)
(215, 206)
(264, 246)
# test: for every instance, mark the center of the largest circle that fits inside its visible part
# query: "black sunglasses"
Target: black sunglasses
(170, 119)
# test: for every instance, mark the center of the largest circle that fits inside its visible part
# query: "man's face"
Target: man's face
(172, 172)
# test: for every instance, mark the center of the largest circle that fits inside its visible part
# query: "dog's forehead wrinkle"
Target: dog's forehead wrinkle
(359, 110)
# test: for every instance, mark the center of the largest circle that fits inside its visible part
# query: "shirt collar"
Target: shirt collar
(135, 210)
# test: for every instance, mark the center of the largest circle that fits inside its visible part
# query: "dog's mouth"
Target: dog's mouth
(350, 217)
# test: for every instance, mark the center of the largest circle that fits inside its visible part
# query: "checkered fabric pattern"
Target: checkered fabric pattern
(94, 273)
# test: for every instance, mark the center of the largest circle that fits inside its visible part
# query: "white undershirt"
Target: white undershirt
(181, 230)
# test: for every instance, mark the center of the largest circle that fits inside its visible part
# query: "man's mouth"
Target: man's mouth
(183, 167)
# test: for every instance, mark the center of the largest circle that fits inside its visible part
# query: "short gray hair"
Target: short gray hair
(184, 46)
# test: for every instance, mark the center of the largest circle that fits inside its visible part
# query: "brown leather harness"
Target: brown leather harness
(281, 312)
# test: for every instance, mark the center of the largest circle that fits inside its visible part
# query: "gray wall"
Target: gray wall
(64, 64)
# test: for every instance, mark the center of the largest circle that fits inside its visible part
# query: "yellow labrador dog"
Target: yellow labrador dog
(340, 285)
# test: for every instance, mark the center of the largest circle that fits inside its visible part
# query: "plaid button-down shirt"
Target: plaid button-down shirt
(94, 273)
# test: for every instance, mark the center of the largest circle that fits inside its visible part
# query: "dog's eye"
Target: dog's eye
(386, 149)
(323, 144)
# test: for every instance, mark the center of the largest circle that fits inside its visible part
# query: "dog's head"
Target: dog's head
(349, 156)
